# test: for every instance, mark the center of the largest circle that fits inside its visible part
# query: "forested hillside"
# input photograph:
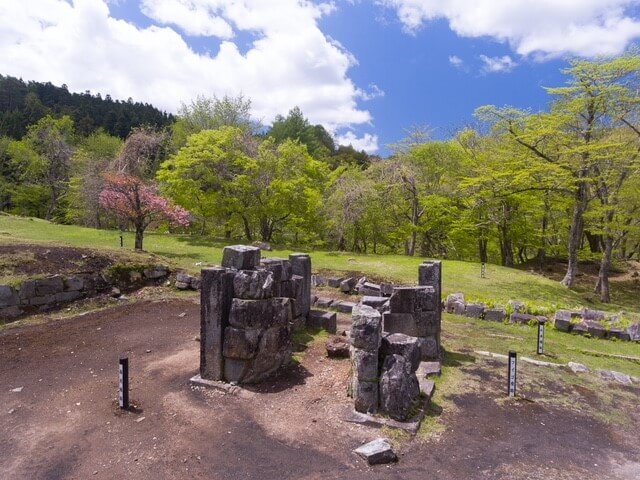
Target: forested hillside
(24, 103)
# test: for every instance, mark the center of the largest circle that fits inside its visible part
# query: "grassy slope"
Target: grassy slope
(185, 251)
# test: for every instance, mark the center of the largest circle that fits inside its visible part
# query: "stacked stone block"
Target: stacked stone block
(366, 337)
(249, 308)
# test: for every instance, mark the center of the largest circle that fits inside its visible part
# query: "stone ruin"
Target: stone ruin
(387, 349)
(249, 308)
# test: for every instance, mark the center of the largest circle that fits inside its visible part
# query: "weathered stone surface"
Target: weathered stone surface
(366, 328)
(64, 297)
(458, 308)
(578, 367)
(579, 328)
(522, 318)
(44, 300)
(235, 370)
(73, 284)
(323, 319)
(11, 312)
(318, 281)
(429, 348)
(155, 273)
(427, 387)
(401, 323)
(365, 395)
(324, 302)
(182, 285)
(239, 343)
(495, 314)
(399, 388)
(619, 334)
(427, 369)
(562, 320)
(517, 306)
(612, 376)
(377, 452)
(26, 291)
(241, 257)
(595, 329)
(301, 266)
(474, 310)
(337, 347)
(634, 332)
(279, 267)
(253, 284)
(374, 301)
(260, 313)
(49, 286)
(403, 345)
(386, 289)
(334, 282)
(370, 289)
(262, 245)
(452, 299)
(348, 284)
(364, 365)
(344, 307)
(215, 305)
(276, 339)
(8, 296)
(413, 299)
(596, 315)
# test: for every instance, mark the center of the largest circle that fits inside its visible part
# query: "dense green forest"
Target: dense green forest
(515, 187)
(24, 103)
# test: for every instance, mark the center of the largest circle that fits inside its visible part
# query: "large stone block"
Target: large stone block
(241, 257)
(365, 396)
(276, 339)
(386, 289)
(64, 297)
(348, 284)
(413, 299)
(495, 314)
(375, 302)
(595, 329)
(377, 452)
(49, 286)
(364, 365)
(403, 345)
(474, 310)
(301, 266)
(253, 284)
(344, 307)
(370, 289)
(323, 319)
(215, 304)
(619, 334)
(8, 296)
(562, 320)
(430, 274)
(597, 315)
(27, 291)
(634, 332)
(524, 318)
(73, 284)
(279, 267)
(429, 348)
(452, 299)
(399, 388)
(155, 273)
(235, 370)
(240, 343)
(366, 328)
(401, 323)
(250, 314)
(334, 282)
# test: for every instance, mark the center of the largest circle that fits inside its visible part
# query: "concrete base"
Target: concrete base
(411, 426)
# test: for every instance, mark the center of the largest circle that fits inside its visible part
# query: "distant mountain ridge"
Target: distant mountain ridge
(24, 103)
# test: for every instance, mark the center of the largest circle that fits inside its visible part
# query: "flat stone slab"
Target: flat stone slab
(427, 369)
(377, 452)
(427, 387)
(227, 388)
(410, 426)
(324, 302)
(343, 307)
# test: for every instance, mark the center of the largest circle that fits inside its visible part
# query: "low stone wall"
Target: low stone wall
(43, 294)
(249, 308)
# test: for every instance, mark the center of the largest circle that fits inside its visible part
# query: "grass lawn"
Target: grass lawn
(188, 252)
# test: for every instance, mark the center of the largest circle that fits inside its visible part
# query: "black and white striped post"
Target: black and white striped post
(121, 241)
(540, 349)
(123, 396)
(512, 373)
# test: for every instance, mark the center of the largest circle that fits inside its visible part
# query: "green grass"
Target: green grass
(189, 252)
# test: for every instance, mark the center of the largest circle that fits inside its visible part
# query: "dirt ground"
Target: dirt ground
(64, 423)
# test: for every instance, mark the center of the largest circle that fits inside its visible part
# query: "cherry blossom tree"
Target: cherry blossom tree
(138, 202)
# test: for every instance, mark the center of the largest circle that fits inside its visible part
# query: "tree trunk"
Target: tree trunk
(602, 287)
(139, 236)
(595, 242)
(247, 228)
(482, 249)
(575, 235)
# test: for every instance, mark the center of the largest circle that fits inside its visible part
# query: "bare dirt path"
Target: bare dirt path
(64, 422)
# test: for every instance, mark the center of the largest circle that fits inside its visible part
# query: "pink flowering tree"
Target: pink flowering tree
(130, 198)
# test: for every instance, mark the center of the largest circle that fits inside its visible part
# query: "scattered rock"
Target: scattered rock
(634, 332)
(17, 389)
(347, 285)
(323, 302)
(578, 367)
(427, 369)
(377, 452)
(115, 292)
(338, 347)
(611, 376)
(497, 314)
(474, 310)
(452, 299)
(344, 307)
(323, 319)
(427, 387)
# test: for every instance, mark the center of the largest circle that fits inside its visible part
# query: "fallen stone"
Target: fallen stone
(399, 388)
(428, 369)
(241, 257)
(347, 285)
(377, 452)
(366, 328)
(403, 345)
(374, 302)
(370, 289)
(634, 332)
(458, 308)
(595, 315)
(495, 314)
(451, 299)
(612, 376)
(562, 321)
(595, 329)
(619, 334)
(338, 347)
(344, 307)
(318, 281)
(474, 310)
(386, 289)
(578, 367)
(335, 282)
(182, 285)
(579, 328)
(155, 273)
(324, 302)
(523, 318)
(427, 387)
(323, 319)
(517, 306)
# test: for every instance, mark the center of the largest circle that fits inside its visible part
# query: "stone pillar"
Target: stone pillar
(366, 337)
(215, 302)
(241, 257)
(430, 275)
(301, 266)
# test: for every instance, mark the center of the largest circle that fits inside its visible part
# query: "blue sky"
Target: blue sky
(367, 70)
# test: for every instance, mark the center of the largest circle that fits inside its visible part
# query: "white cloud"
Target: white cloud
(368, 142)
(374, 91)
(497, 64)
(456, 61)
(543, 27)
(292, 62)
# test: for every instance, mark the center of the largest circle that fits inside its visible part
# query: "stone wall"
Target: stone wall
(249, 308)
(42, 294)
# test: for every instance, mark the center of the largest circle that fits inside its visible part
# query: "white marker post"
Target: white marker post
(512, 373)
(540, 350)
(123, 396)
